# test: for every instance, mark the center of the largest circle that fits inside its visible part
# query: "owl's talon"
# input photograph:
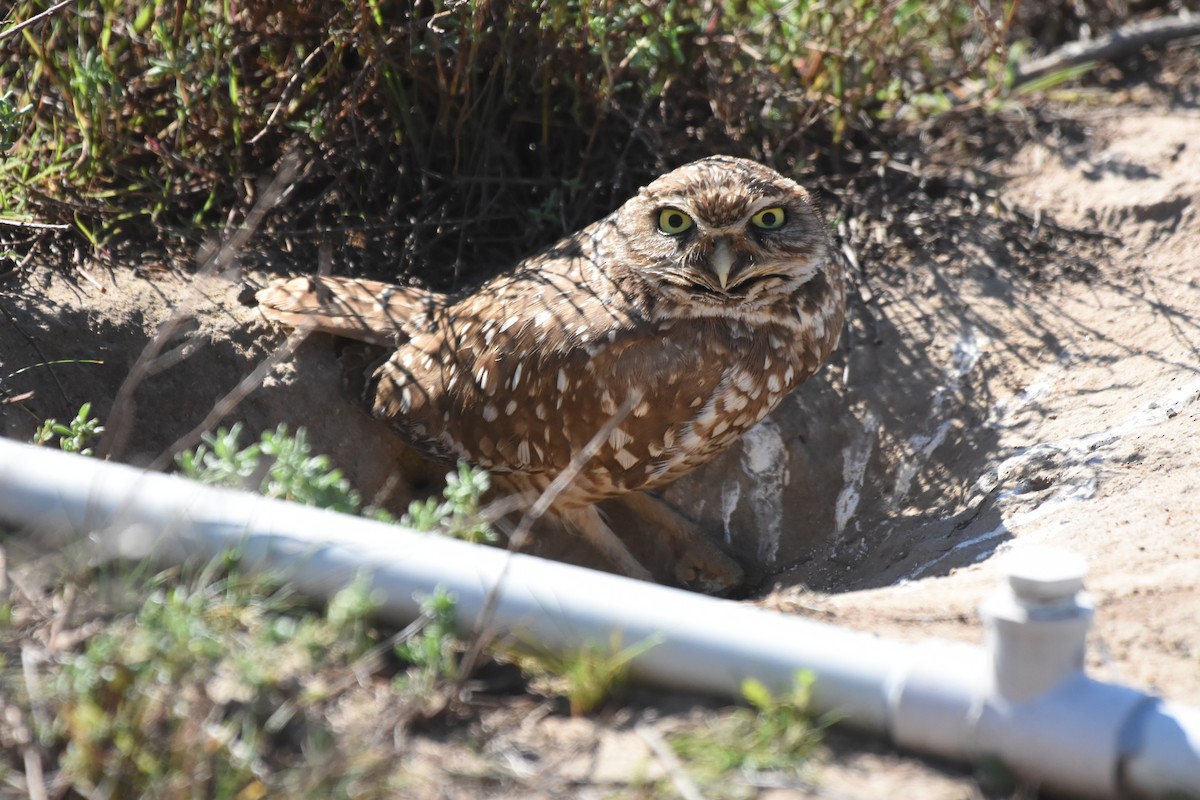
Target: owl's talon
(706, 569)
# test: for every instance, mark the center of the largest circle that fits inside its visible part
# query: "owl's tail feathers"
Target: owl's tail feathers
(369, 311)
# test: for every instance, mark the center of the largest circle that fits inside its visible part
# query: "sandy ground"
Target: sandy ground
(968, 415)
(1096, 432)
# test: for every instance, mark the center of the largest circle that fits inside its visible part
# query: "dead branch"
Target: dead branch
(1112, 45)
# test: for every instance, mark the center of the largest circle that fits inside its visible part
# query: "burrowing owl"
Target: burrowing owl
(669, 327)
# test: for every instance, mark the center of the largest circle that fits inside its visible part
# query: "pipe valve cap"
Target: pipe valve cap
(1043, 574)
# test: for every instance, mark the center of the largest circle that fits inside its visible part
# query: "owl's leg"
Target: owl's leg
(699, 564)
(591, 525)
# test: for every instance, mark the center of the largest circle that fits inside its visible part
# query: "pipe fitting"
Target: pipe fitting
(1036, 622)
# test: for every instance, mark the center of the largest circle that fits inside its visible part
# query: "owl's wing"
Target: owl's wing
(522, 378)
(369, 311)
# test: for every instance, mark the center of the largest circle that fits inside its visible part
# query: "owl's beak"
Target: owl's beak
(722, 262)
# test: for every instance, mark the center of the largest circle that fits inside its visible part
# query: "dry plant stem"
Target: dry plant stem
(223, 407)
(35, 780)
(34, 775)
(482, 637)
(1113, 45)
(34, 226)
(220, 263)
(123, 408)
(20, 26)
(288, 90)
(37, 349)
(568, 475)
(662, 751)
(246, 386)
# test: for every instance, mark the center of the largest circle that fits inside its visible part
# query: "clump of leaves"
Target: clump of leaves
(11, 117)
(279, 465)
(282, 466)
(775, 733)
(429, 646)
(222, 688)
(77, 436)
(460, 513)
(586, 676)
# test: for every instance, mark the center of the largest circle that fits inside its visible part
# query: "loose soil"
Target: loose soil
(971, 411)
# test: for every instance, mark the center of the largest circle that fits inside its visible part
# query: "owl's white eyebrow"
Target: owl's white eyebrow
(767, 202)
(677, 201)
(685, 204)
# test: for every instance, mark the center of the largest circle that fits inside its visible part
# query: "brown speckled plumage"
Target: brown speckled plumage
(518, 375)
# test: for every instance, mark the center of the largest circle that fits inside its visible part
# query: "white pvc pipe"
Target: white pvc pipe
(1081, 737)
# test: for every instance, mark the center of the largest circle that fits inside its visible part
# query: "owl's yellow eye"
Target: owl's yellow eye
(673, 221)
(769, 219)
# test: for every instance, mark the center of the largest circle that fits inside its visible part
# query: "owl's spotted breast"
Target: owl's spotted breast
(671, 326)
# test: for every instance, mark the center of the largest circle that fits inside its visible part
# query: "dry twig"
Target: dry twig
(1112, 45)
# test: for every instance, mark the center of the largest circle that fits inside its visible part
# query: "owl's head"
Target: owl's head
(724, 233)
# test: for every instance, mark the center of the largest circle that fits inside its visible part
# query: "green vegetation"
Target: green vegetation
(223, 686)
(447, 133)
(586, 677)
(226, 685)
(75, 437)
(460, 513)
(430, 648)
(282, 466)
(278, 465)
(775, 734)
